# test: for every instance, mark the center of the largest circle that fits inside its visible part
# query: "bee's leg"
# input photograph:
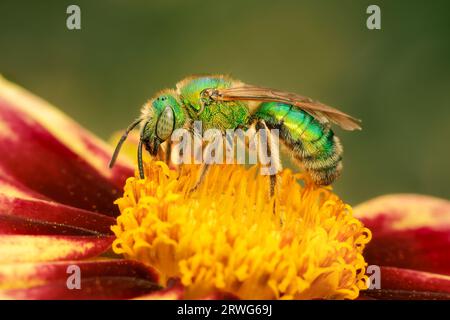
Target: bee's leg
(272, 154)
(201, 176)
(203, 169)
(171, 158)
(206, 153)
(168, 151)
(162, 152)
(165, 153)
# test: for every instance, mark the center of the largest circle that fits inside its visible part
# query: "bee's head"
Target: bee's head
(159, 118)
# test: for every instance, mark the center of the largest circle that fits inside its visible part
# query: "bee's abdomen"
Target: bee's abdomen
(312, 143)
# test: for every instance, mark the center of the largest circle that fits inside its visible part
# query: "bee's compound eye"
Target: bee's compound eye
(165, 124)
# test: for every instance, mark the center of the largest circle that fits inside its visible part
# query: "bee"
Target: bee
(223, 103)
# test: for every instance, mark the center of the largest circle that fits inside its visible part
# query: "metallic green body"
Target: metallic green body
(298, 126)
(312, 143)
(214, 115)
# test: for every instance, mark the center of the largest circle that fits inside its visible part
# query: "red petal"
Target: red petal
(20, 215)
(25, 248)
(109, 279)
(399, 283)
(47, 152)
(172, 293)
(403, 295)
(409, 231)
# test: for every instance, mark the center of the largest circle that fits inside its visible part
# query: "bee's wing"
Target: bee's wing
(318, 110)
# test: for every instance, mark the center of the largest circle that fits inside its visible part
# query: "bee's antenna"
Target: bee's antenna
(140, 164)
(121, 141)
(139, 153)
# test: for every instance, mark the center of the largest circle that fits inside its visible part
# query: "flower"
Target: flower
(57, 207)
(229, 235)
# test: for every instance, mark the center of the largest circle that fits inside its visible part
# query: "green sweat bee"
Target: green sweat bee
(223, 103)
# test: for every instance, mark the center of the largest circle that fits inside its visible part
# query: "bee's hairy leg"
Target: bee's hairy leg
(165, 152)
(168, 151)
(201, 176)
(206, 164)
(161, 155)
(271, 154)
(171, 158)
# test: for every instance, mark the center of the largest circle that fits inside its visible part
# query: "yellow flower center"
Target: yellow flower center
(230, 235)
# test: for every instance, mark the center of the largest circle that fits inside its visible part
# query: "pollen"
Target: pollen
(231, 236)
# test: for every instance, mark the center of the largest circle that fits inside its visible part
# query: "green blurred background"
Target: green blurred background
(395, 79)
